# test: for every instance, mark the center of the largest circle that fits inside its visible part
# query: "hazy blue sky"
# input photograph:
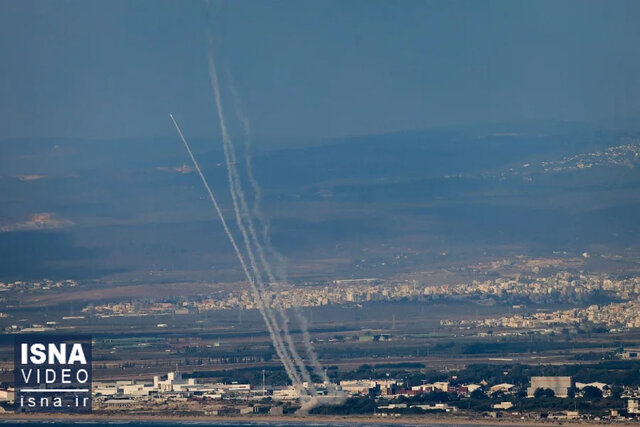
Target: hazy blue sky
(314, 69)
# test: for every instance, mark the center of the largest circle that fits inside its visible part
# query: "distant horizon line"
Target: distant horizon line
(607, 125)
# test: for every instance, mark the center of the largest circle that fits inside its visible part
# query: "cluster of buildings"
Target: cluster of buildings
(174, 392)
(36, 285)
(135, 308)
(627, 155)
(173, 386)
(615, 316)
(620, 155)
(561, 286)
(188, 394)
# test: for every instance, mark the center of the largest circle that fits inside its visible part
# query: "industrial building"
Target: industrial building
(559, 385)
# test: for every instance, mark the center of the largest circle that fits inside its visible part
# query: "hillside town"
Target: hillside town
(620, 309)
(36, 285)
(613, 316)
(559, 287)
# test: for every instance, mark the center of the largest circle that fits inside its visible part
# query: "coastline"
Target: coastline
(311, 419)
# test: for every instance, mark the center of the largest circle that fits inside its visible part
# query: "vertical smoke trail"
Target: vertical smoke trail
(295, 379)
(255, 186)
(242, 215)
(235, 183)
(257, 211)
(237, 194)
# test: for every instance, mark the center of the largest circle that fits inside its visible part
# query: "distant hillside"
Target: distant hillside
(74, 208)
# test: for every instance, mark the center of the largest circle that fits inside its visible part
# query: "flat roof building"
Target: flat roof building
(559, 385)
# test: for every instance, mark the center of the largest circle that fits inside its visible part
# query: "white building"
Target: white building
(559, 385)
(357, 386)
(632, 406)
(502, 405)
(600, 386)
(104, 389)
(441, 385)
(7, 395)
(137, 389)
(288, 393)
(436, 407)
(175, 383)
(504, 387)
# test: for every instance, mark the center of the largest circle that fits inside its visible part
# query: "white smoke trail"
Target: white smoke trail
(255, 186)
(290, 370)
(245, 224)
(257, 211)
(243, 216)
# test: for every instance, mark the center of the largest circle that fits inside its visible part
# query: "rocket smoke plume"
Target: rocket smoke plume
(264, 309)
(280, 270)
(265, 283)
(245, 221)
(288, 353)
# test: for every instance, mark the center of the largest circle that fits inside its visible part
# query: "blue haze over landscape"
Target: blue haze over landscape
(307, 71)
(454, 188)
(447, 97)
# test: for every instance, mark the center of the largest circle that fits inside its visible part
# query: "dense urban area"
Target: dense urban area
(622, 311)
(544, 343)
